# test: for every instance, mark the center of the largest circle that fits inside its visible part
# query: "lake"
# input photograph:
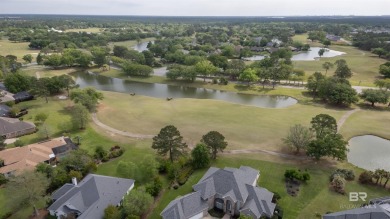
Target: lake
(369, 152)
(172, 91)
(142, 46)
(310, 55)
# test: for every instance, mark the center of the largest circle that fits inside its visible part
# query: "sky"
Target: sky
(197, 7)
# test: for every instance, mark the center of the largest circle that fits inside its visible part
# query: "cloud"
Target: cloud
(196, 7)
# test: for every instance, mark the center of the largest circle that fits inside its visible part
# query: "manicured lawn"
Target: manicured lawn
(44, 72)
(369, 121)
(243, 126)
(364, 64)
(128, 43)
(92, 30)
(17, 49)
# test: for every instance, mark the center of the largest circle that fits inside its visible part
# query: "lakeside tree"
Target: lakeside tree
(134, 69)
(169, 142)
(327, 66)
(234, 68)
(342, 69)
(68, 83)
(298, 137)
(205, 68)
(337, 91)
(200, 156)
(215, 141)
(375, 96)
(26, 189)
(332, 145)
(249, 75)
(99, 56)
(321, 52)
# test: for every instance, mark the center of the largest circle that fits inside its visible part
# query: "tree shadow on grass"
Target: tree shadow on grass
(379, 108)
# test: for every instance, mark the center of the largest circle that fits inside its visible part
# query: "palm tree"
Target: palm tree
(377, 175)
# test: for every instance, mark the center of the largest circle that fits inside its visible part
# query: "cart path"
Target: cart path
(344, 118)
(118, 132)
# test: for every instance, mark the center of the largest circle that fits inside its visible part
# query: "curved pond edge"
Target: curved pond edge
(297, 101)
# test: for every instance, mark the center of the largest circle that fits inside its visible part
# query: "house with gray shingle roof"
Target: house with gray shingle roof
(231, 190)
(90, 197)
(377, 209)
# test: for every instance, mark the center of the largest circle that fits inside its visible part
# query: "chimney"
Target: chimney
(74, 181)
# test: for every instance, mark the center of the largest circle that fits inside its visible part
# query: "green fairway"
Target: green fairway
(128, 43)
(364, 64)
(369, 121)
(17, 49)
(243, 126)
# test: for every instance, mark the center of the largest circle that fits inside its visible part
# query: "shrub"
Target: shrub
(345, 173)
(3, 180)
(338, 184)
(223, 81)
(297, 175)
(155, 187)
(276, 197)
(365, 177)
(215, 81)
(19, 143)
(184, 174)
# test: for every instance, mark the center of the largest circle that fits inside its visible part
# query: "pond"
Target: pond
(369, 152)
(171, 91)
(142, 46)
(310, 55)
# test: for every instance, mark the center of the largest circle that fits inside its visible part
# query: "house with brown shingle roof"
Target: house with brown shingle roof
(27, 157)
(12, 128)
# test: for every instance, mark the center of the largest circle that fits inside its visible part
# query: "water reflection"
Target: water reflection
(165, 91)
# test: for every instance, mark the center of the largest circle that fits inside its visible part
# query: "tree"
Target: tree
(342, 69)
(366, 177)
(205, 68)
(41, 117)
(234, 68)
(17, 82)
(67, 82)
(88, 97)
(218, 61)
(120, 51)
(137, 202)
(314, 81)
(80, 116)
(215, 141)
(248, 75)
(384, 70)
(78, 160)
(323, 124)
(39, 88)
(327, 66)
(26, 189)
(321, 52)
(375, 96)
(379, 51)
(54, 60)
(99, 56)
(383, 83)
(112, 212)
(326, 43)
(40, 59)
(298, 137)
(337, 91)
(28, 58)
(200, 156)
(134, 69)
(169, 142)
(332, 145)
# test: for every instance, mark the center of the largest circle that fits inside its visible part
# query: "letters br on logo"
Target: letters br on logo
(356, 196)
